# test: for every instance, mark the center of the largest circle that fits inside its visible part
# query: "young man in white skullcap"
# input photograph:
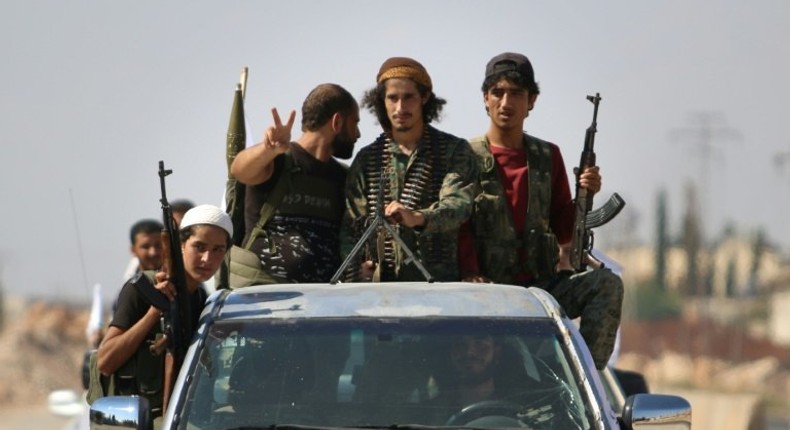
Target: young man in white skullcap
(205, 233)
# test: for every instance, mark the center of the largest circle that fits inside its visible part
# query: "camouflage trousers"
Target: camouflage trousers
(597, 297)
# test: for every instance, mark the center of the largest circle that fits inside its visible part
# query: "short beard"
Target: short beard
(473, 380)
(342, 147)
(152, 266)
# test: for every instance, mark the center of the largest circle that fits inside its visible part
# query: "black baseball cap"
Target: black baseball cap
(510, 61)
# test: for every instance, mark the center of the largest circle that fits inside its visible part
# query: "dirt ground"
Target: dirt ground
(41, 350)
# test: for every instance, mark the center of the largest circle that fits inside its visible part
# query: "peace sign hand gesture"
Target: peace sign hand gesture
(277, 137)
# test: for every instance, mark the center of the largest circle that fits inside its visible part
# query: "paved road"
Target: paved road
(30, 418)
(39, 418)
(774, 423)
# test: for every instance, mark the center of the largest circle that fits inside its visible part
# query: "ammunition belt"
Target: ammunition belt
(421, 187)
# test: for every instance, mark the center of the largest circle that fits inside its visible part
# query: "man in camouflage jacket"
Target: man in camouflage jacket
(524, 212)
(427, 178)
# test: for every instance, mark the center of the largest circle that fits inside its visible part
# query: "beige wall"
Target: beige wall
(639, 265)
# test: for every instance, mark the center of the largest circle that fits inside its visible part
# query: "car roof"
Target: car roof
(401, 299)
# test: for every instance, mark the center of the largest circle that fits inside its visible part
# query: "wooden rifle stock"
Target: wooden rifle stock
(169, 380)
(170, 362)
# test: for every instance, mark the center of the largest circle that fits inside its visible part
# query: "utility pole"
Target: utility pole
(782, 161)
(705, 131)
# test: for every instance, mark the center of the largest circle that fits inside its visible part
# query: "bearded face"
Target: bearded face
(343, 144)
(473, 359)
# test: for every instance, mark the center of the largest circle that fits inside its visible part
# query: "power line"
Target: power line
(782, 161)
(705, 132)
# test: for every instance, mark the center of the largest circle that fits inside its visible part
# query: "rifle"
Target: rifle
(586, 219)
(176, 321)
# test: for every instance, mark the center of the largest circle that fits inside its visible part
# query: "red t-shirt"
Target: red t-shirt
(513, 169)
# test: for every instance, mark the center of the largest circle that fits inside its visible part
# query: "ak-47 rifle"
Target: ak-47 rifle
(177, 321)
(587, 219)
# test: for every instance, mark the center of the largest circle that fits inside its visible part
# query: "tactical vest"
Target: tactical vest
(421, 186)
(290, 195)
(495, 236)
(245, 265)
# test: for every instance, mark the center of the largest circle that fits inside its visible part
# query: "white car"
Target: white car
(389, 355)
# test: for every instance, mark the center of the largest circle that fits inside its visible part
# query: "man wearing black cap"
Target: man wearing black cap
(525, 212)
(427, 178)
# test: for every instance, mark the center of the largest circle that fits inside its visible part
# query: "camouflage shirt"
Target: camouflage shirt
(436, 179)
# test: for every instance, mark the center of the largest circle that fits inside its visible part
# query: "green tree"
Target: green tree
(706, 281)
(653, 303)
(758, 249)
(692, 242)
(661, 240)
(729, 280)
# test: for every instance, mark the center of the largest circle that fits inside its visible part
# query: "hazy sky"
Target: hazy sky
(94, 93)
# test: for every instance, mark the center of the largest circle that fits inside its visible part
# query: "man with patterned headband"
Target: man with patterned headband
(428, 181)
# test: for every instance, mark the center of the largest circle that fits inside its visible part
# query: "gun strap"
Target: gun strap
(273, 200)
(145, 283)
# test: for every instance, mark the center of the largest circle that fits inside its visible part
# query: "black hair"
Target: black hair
(145, 226)
(513, 77)
(181, 205)
(324, 101)
(373, 100)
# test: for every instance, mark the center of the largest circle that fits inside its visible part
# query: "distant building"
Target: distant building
(732, 262)
(779, 321)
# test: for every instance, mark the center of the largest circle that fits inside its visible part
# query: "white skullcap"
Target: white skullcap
(207, 214)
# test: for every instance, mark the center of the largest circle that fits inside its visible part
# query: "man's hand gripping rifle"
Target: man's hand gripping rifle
(587, 219)
(374, 226)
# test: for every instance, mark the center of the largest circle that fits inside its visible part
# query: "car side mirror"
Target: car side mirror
(646, 411)
(121, 412)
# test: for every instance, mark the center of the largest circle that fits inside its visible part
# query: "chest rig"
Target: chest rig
(415, 181)
(495, 235)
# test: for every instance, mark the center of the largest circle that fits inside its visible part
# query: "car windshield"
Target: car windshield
(368, 372)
